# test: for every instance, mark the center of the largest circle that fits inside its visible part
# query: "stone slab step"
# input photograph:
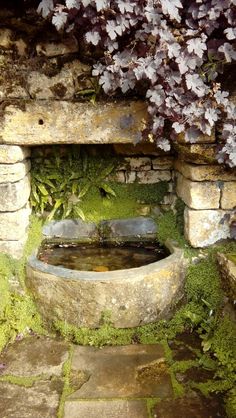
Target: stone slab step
(133, 371)
(106, 409)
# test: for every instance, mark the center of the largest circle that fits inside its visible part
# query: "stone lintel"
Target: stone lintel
(61, 122)
(205, 172)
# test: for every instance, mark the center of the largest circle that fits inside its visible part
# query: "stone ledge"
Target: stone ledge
(197, 153)
(205, 172)
(198, 195)
(205, 227)
(14, 196)
(11, 154)
(11, 173)
(61, 122)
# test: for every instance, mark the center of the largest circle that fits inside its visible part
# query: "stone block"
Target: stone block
(54, 49)
(198, 195)
(71, 229)
(162, 163)
(10, 154)
(119, 176)
(63, 122)
(197, 153)
(13, 248)
(106, 409)
(119, 372)
(6, 36)
(205, 172)
(205, 227)
(10, 173)
(14, 196)
(150, 177)
(128, 229)
(61, 86)
(138, 164)
(13, 224)
(141, 148)
(201, 139)
(228, 199)
(130, 176)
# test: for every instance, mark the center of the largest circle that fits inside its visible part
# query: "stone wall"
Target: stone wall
(44, 100)
(14, 195)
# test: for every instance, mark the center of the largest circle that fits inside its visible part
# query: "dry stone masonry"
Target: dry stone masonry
(43, 88)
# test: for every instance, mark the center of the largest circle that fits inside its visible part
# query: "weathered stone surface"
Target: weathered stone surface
(14, 92)
(126, 371)
(192, 405)
(228, 274)
(197, 153)
(201, 139)
(228, 199)
(14, 196)
(198, 195)
(71, 229)
(128, 229)
(6, 36)
(35, 356)
(205, 227)
(118, 176)
(60, 86)
(55, 122)
(53, 49)
(162, 163)
(205, 172)
(106, 409)
(150, 177)
(39, 401)
(10, 173)
(130, 176)
(13, 224)
(13, 248)
(132, 296)
(138, 164)
(142, 148)
(10, 154)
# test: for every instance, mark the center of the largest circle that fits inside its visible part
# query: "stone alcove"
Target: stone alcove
(43, 103)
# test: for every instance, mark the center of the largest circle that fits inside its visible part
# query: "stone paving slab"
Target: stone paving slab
(39, 401)
(106, 409)
(35, 356)
(121, 372)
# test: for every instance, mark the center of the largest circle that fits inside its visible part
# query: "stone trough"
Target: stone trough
(132, 297)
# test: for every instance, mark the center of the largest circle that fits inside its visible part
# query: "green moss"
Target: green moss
(67, 389)
(203, 283)
(151, 404)
(25, 381)
(230, 403)
(18, 313)
(232, 257)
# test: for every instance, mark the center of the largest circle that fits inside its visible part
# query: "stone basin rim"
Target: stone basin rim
(69, 274)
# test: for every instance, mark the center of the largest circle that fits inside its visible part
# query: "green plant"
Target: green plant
(59, 182)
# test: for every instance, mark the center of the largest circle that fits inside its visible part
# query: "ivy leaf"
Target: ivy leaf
(171, 7)
(197, 46)
(93, 37)
(45, 7)
(70, 4)
(59, 19)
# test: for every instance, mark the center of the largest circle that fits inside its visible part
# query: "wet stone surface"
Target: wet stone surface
(39, 401)
(126, 371)
(35, 356)
(191, 406)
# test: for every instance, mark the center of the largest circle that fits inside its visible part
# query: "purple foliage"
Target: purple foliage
(177, 48)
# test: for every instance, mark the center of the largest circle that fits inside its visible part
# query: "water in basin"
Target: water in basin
(102, 257)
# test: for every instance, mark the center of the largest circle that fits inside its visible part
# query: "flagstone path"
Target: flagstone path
(42, 377)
